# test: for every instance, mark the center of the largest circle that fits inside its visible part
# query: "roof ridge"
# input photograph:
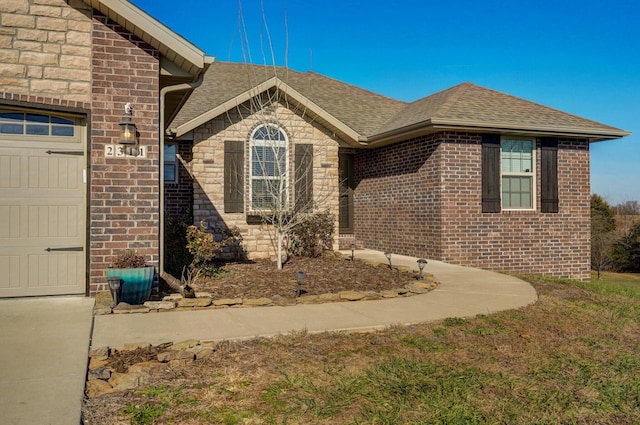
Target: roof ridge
(458, 91)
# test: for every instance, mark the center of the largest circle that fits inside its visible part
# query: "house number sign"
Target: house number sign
(125, 151)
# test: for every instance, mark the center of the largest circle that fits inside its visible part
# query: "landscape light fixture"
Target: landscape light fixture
(115, 283)
(128, 130)
(353, 248)
(388, 255)
(300, 277)
(421, 263)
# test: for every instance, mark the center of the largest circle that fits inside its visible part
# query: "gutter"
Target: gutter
(437, 124)
(163, 92)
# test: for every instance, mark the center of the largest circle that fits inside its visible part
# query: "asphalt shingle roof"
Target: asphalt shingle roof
(370, 114)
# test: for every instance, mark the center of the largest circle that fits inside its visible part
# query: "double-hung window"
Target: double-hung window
(517, 159)
(269, 167)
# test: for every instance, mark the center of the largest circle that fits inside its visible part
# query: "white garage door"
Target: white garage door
(42, 205)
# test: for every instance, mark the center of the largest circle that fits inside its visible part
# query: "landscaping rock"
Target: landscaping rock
(329, 297)
(99, 353)
(183, 345)
(97, 388)
(127, 381)
(96, 363)
(124, 308)
(227, 301)
(310, 299)
(101, 311)
(283, 301)
(135, 345)
(389, 294)
(146, 368)
(194, 302)
(201, 352)
(101, 372)
(372, 295)
(171, 355)
(257, 302)
(351, 295)
(424, 285)
(412, 287)
(160, 305)
(203, 295)
(172, 297)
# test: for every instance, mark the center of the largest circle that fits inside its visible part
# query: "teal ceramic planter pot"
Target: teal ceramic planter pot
(136, 283)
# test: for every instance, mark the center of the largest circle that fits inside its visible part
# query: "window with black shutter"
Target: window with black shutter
(549, 175)
(233, 177)
(491, 173)
(304, 177)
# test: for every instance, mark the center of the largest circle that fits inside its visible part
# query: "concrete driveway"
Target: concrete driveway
(43, 359)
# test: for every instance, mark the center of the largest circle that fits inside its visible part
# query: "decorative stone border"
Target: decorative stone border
(175, 302)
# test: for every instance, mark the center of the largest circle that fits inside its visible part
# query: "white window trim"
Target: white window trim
(532, 174)
(253, 142)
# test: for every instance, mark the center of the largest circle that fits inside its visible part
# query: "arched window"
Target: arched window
(269, 159)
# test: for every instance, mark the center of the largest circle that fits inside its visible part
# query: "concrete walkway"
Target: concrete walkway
(463, 292)
(43, 359)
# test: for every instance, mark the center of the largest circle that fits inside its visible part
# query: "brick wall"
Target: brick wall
(422, 197)
(124, 204)
(208, 169)
(45, 50)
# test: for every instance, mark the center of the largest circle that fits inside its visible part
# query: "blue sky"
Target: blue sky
(582, 57)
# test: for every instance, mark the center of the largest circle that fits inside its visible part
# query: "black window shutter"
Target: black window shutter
(304, 177)
(491, 173)
(549, 175)
(233, 176)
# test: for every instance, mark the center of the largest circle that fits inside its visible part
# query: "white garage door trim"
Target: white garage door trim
(42, 203)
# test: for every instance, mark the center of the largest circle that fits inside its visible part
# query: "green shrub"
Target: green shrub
(313, 234)
(206, 247)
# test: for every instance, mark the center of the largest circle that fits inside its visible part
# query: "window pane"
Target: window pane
(58, 120)
(268, 132)
(38, 118)
(57, 130)
(170, 152)
(38, 130)
(11, 128)
(517, 156)
(516, 192)
(169, 172)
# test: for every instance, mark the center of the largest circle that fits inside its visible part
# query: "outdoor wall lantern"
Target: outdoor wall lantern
(128, 130)
(300, 277)
(388, 255)
(353, 248)
(114, 286)
(421, 263)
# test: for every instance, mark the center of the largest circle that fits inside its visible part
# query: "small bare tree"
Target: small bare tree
(280, 168)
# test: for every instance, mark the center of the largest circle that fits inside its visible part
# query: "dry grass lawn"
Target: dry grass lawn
(572, 357)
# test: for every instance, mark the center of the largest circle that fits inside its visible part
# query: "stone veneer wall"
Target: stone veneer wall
(124, 200)
(208, 169)
(45, 51)
(422, 197)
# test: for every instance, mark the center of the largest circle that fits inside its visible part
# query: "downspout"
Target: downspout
(163, 92)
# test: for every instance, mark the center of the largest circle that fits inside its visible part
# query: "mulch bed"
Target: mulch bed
(330, 273)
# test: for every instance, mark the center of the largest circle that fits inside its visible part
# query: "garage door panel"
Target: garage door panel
(9, 171)
(51, 172)
(42, 216)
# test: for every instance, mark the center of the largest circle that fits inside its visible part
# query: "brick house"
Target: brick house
(468, 175)
(71, 198)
